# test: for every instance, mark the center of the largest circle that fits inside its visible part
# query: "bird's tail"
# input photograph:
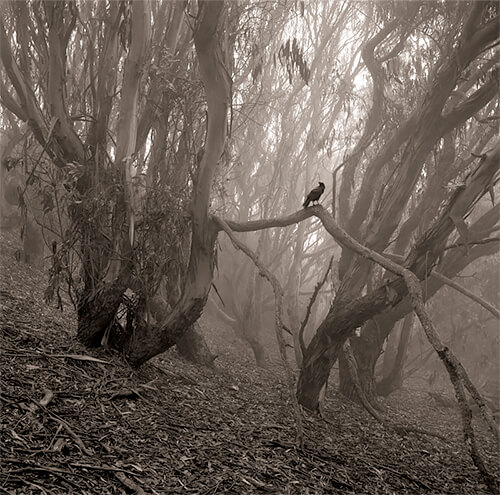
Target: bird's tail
(306, 203)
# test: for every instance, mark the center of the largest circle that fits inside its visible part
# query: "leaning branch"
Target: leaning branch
(459, 379)
(485, 304)
(318, 287)
(448, 281)
(278, 310)
(254, 225)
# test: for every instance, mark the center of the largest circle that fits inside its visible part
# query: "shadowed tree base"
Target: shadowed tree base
(193, 347)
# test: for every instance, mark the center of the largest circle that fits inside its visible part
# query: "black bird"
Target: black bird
(314, 195)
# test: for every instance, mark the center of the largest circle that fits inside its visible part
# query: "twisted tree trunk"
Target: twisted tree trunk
(347, 313)
(375, 332)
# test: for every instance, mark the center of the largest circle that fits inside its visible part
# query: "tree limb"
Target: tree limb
(278, 311)
(315, 293)
(24, 92)
(64, 131)
(471, 105)
(9, 102)
(448, 281)
(127, 119)
(485, 304)
(373, 119)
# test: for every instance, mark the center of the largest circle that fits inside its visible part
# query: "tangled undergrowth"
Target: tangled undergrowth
(81, 421)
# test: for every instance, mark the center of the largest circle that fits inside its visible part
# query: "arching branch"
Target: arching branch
(278, 311)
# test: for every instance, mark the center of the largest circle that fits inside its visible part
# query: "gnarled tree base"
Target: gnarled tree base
(193, 347)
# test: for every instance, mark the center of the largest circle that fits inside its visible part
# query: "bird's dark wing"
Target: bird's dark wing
(315, 193)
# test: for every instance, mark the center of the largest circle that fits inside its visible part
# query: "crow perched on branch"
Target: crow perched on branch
(314, 195)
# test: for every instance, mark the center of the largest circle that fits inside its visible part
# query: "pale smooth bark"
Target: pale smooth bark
(147, 340)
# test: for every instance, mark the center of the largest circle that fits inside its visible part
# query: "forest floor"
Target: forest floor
(81, 421)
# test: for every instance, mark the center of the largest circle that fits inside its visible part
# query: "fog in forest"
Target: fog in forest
(249, 247)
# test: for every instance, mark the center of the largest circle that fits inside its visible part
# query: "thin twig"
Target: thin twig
(67, 427)
(318, 287)
(130, 484)
(485, 304)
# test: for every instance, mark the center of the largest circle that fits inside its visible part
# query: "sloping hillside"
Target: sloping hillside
(80, 421)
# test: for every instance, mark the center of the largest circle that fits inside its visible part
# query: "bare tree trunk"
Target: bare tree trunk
(259, 352)
(96, 312)
(452, 264)
(249, 320)
(347, 314)
(391, 348)
(366, 360)
(105, 286)
(394, 379)
(193, 346)
(146, 340)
